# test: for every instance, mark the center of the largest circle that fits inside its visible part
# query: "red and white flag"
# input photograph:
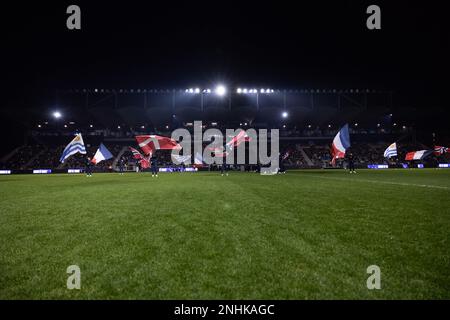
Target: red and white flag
(230, 145)
(238, 139)
(136, 154)
(438, 150)
(286, 155)
(144, 162)
(150, 143)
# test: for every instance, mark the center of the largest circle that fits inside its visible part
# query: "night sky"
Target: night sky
(178, 44)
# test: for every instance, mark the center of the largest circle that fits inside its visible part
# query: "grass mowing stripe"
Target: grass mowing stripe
(383, 182)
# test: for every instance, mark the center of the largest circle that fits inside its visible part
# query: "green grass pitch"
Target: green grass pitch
(302, 235)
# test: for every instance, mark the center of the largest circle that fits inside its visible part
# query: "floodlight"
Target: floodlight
(239, 90)
(221, 90)
(197, 90)
(57, 114)
(284, 114)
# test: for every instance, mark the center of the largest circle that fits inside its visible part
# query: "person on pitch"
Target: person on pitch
(351, 163)
(121, 166)
(88, 168)
(154, 164)
(224, 169)
(223, 166)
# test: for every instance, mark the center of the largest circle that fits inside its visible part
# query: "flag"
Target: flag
(438, 150)
(286, 155)
(144, 162)
(75, 146)
(238, 139)
(136, 154)
(101, 154)
(418, 155)
(341, 142)
(391, 151)
(234, 142)
(148, 146)
(181, 159)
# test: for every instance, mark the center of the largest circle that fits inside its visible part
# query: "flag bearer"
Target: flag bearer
(154, 163)
(224, 169)
(88, 168)
(121, 166)
(351, 163)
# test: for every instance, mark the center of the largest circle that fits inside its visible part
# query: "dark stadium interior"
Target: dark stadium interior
(129, 66)
(314, 147)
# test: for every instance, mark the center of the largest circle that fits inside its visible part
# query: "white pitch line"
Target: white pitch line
(386, 182)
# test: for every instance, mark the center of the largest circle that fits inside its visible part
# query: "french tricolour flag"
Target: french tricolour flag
(101, 154)
(418, 155)
(341, 142)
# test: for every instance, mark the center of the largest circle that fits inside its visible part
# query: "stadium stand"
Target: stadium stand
(309, 150)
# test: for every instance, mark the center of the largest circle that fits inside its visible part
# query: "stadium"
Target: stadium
(355, 207)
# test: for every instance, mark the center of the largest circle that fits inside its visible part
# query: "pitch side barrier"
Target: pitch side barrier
(4, 172)
(82, 170)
